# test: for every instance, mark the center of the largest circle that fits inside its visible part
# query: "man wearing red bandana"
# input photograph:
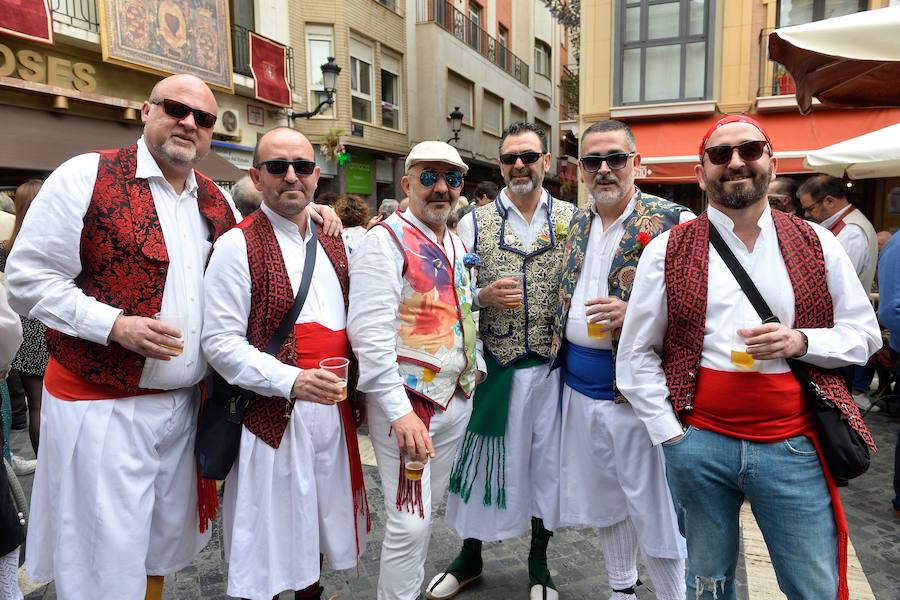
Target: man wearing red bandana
(712, 385)
(295, 494)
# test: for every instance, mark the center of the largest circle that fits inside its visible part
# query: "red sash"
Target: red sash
(68, 385)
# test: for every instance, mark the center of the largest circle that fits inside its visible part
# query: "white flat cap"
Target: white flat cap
(430, 151)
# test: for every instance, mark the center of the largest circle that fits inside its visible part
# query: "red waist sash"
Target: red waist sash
(67, 385)
(316, 342)
(760, 407)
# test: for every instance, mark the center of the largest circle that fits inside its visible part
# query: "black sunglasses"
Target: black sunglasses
(279, 166)
(615, 161)
(748, 151)
(429, 177)
(180, 111)
(527, 158)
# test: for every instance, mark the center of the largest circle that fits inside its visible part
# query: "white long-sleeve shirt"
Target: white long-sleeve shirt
(227, 307)
(376, 285)
(46, 259)
(853, 240)
(593, 281)
(639, 373)
(10, 331)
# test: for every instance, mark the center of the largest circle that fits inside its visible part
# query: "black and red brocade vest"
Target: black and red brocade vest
(687, 278)
(124, 262)
(271, 297)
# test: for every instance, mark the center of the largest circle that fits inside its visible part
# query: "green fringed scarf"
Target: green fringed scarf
(486, 434)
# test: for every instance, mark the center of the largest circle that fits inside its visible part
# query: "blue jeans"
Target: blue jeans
(710, 475)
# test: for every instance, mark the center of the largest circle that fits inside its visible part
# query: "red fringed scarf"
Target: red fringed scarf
(409, 493)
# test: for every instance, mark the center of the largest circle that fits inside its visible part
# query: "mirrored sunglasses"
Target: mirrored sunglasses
(280, 166)
(748, 151)
(615, 161)
(429, 177)
(527, 158)
(180, 111)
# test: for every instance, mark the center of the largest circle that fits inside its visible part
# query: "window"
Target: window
(516, 114)
(390, 92)
(663, 50)
(361, 80)
(460, 93)
(242, 13)
(797, 12)
(319, 46)
(503, 51)
(549, 132)
(541, 58)
(492, 114)
(474, 26)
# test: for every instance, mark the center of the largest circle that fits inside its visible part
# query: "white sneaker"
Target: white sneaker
(445, 586)
(23, 466)
(540, 592)
(864, 402)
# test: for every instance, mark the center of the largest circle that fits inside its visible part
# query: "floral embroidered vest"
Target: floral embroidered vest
(271, 297)
(687, 281)
(435, 327)
(651, 215)
(512, 334)
(124, 262)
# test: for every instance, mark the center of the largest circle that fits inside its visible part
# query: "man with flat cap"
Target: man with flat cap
(411, 326)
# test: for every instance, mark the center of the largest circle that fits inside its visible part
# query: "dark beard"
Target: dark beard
(740, 197)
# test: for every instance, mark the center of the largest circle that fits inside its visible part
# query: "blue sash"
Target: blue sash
(589, 371)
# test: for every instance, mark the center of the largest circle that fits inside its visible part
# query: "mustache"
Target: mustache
(523, 171)
(608, 178)
(737, 174)
(292, 188)
(438, 197)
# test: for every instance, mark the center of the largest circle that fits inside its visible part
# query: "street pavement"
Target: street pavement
(574, 554)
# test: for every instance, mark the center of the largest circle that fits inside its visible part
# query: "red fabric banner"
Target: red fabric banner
(268, 61)
(28, 19)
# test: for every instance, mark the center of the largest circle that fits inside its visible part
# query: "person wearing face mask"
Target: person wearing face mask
(506, 475)
(611, 477)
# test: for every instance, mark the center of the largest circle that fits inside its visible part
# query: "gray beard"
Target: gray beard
(177, 156)
(520, 189)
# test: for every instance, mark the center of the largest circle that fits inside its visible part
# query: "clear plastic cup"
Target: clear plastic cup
(339, 366)
(176, 320)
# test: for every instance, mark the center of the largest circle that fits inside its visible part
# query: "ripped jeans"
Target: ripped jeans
(709, 476)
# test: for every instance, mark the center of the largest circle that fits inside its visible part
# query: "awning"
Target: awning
(669, 148)
(875, 154)
(40, 141)
(849, 61)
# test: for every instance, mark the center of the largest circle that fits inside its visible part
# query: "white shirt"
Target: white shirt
(639, 373)
(46, 260)
(10, 332)
(853, 239)
(525, 231)
(376, 285)
(227, 307)
(593, 281)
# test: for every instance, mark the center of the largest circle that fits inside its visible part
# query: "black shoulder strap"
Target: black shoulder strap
(743, 279)
(287, 323)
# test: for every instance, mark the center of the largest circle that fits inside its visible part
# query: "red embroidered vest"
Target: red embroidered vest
(271, 297)
(687, 278)
(124, 262)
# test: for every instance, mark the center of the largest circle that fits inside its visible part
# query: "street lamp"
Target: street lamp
(456, 118)
(330, 72)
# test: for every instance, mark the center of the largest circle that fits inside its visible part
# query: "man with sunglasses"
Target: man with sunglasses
(113, 238)
(611, 477)
(719, 394)
(823, 199)
(412, 328)
(296, 490)
(506, 474)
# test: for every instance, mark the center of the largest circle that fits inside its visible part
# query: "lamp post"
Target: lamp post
(330, 72)
(456, 118)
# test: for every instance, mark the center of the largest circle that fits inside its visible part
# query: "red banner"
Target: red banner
(28, 19)
(268, 62)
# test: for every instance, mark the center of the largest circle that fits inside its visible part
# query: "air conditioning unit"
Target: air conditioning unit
(228, 125)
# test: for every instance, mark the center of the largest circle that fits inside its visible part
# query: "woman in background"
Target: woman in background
(354, 214)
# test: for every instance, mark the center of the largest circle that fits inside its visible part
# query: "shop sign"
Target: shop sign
(41, 67)
(358, 175)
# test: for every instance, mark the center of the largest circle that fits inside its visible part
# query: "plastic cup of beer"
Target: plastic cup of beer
(598, 330)
(413, 468)
(339, 366)
(178, 321)
(519, 277)
(739, 355)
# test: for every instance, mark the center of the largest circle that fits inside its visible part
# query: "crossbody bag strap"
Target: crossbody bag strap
(290, 318)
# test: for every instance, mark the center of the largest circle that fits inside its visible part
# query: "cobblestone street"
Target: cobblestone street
(574, 554)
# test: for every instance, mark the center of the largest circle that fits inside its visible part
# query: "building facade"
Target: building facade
(498, 61)
(671, 68)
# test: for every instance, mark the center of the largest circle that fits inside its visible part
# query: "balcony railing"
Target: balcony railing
(76, 13)
(774, 80)
(240, 54)
(468, 31)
